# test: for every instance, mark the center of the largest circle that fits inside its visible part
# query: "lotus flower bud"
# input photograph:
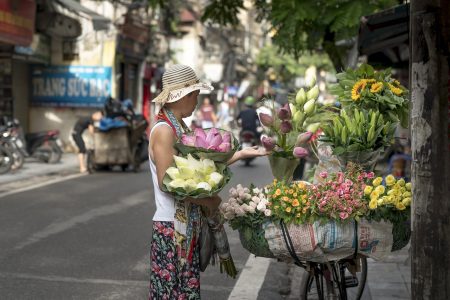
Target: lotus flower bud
(200, 132)
(292, 108)
(268, 143)
(313, 93)
(266, 119)
(303, 138)
(299, 117)
(313, 127)
(284, 113)
(300, 152)
(215, 142)
(309, 106)
(212, 133)
(224, 147)
(200, 142)
(310, 81)
(285, 127)
(300, 98)
(226, 137)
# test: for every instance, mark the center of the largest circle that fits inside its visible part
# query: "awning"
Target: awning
(100, 22)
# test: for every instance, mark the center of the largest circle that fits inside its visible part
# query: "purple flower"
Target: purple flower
(200, 132)
(212, 133)
(285, 112)
(268, 143)
(300, 152)
(200, 141)
(266, 119)
(285, 127)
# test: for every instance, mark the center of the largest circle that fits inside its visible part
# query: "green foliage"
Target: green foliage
(286, 66)
(301, 25)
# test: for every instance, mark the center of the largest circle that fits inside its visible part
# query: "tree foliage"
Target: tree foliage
(286, 66)
(300, 25)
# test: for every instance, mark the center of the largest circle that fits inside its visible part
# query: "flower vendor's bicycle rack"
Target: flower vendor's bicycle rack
(342, 279)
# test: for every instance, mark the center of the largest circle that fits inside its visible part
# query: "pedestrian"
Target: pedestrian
(209, 118)
(77, 134)
(175, 270)
(248, 118)
(223, 115)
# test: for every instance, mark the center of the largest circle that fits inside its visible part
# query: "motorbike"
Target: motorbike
(248, 139)
(45, 146)
(6, 157)
(14, 145)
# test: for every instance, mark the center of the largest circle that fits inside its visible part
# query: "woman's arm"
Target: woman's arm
(247, 153)
(162, 150)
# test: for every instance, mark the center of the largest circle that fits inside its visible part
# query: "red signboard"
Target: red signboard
(17, 21)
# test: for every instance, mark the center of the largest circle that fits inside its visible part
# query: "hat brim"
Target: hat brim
(177, 94)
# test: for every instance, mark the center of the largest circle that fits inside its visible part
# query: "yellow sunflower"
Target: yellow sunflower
(376, 87)
(357, 88)
(395, 90)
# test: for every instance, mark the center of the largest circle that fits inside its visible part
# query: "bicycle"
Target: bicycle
(344, 279)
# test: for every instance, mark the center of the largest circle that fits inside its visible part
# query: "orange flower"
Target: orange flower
(301, 185)
(278, 192)
(297, 215)
(295, 203)
(305, 209)
(288, 209)
(286, 199)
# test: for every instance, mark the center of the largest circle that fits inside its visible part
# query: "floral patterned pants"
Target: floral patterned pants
(166, 282)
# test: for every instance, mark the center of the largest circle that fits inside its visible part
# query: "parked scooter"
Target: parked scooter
(6, 158)
(14, 145)
(45, 146)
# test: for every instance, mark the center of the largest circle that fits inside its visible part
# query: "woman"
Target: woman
(175, 270)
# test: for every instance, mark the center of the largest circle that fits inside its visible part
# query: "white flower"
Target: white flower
(246, 190)
(261, 206)
(204, 185)
(224, 205)
(240, 212)
(252, 204)
(262, 196)
(251, 210)
(256, 199)
(245, 207)
(215, 178)
(268, 212)
(229, 215)
(256, 191)
(247, 196)
(232, 191)
(241, 194)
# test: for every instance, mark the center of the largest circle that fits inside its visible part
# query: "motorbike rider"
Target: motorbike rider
(248, 118)
(77, 134)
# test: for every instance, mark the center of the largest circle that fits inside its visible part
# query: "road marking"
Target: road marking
(251, 279)
(105, 210)
(136, 283)
(42, 184)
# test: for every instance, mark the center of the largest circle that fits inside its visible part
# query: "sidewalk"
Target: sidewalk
(34, 171)
(386, 280)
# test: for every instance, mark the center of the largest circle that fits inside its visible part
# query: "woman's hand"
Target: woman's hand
(249, 152)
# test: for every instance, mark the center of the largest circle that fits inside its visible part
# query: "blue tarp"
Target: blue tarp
(107, 124)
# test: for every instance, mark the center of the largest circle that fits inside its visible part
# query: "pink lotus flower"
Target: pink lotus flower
(266, 119)
(268, 143)
(188, 140)
(214, 142)
(300, 152)
(285, 127)
(200, 132)
(224, 147)
(201, 142)
(226, 138)
(303, 138)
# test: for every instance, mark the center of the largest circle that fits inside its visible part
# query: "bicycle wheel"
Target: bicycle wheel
(311, 285)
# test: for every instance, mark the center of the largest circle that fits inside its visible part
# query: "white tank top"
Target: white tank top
(165, 204)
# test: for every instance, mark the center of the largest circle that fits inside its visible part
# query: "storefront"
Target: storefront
(16, 30)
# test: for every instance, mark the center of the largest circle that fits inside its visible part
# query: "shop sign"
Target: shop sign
(17, 21)
(70, 86)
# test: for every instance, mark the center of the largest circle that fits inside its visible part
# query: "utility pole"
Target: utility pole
(429, 83)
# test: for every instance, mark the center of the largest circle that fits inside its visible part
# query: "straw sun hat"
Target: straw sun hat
(178, 81)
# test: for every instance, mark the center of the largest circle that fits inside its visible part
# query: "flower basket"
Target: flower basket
(253, 240)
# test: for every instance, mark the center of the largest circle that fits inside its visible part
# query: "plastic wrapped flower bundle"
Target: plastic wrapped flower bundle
(246, 210)
(196, 178)
(215, 144)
